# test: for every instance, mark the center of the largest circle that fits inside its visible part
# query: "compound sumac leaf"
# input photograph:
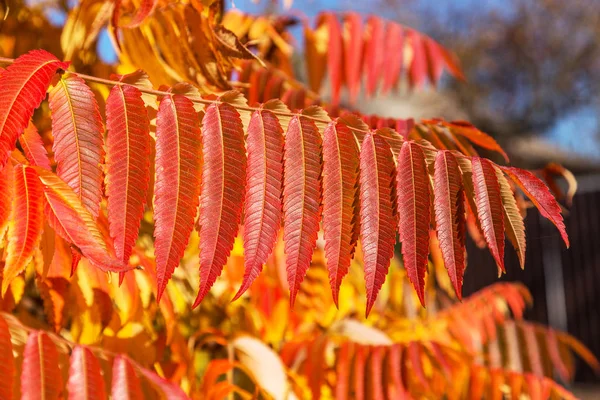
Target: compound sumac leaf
(73, 222)
(378, 219)
(222, 195)
(85, 376)
(127, 168)
(25, 231)
(414, 213)
(489, 207)
(78, 139)
(450, 216)
(301, 198)
(24, 84)
(40, 376)
(177, 186)
(263, 208)
(540, 195)
(340, 201)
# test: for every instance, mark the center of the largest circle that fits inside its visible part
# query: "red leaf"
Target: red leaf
(414, 353)
(340, 201)
(71, 221)
(334, 55)
(222, 197)
(26, 230)
(125, 383)
(435, 59)
(85, 376)
(450, 216)
(489, 207)
(7, 362)
(394, 55)
(377, 373)
(40, 376)
(263, 193)
(33, 146)
(6, 196)
(359, 372)
(301, 198)
(343, 365)
(540, 195)
(353, 49)
(418, 66)
(378, 222)
(178, 158)
(374, 53)
(127, 167)
(396, 388)
(78, 139)
(415, 214)
(24, 84)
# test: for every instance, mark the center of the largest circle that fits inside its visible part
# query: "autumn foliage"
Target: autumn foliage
(156, 182)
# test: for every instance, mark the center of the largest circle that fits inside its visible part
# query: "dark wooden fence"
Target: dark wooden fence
(564, 283)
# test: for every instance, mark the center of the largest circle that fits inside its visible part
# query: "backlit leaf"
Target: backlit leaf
(25, 230)
(414, 213)
(222, 195)
(353, 49)
(540, 195)
(340, 201)
(301, 198)
(128, 170)
(125, 382)
(24, 84)
(373, 53)
(378, 223)
(489, 207)
(33, 146)
(78, 139)
(71, 221)
(263, 208)
(7, 363)
(85, 376)
(177, 183)
(6, 196)
(513, 221)
(450, 216)
(40, 376)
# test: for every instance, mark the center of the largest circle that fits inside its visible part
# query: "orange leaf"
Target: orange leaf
(25, 231)
(67, 216)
